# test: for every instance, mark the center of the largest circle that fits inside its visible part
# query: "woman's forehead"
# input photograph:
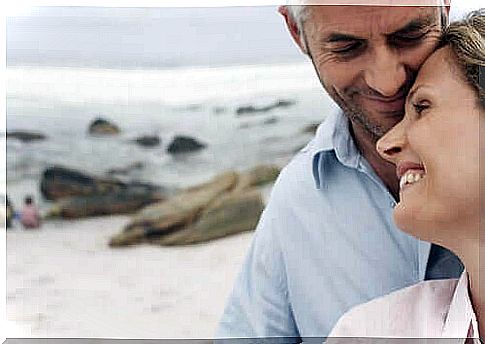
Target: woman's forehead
(436, 67)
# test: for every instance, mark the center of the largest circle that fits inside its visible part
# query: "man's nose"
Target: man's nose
(393, 143)
(386, 74)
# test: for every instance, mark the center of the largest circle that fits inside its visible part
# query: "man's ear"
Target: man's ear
(293, 28)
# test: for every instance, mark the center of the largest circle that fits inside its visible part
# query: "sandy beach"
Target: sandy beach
(64, 281)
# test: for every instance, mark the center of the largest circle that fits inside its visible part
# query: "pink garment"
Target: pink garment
(430, 309)
(29, 217)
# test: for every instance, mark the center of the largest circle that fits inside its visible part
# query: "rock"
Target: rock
(230, 203)
(25, 136)
(101, 126)
(173, 214)
(271, 120)
(218, 110)
(118, 202)
(184, 144)
(59, 182)
(246, 110)
(244, 126)
(258, 176)
(191, 107)
(233, 213)
(9, 213)
(267, 121)
(127, 169)
(148, 141)
(311, 128)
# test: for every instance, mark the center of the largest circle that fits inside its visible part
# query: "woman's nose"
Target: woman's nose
(392, 144)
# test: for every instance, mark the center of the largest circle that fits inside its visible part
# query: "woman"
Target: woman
(29, 216)
(436, 150)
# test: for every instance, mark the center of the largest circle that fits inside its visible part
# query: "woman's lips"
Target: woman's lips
(403, 166)
(409, 173)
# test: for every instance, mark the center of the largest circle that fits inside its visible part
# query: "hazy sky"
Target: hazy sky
(154, 37)
(148, 36)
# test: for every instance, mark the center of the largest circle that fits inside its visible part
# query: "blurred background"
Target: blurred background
(148, 140)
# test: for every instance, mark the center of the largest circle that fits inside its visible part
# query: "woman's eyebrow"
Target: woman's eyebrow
(412, 93)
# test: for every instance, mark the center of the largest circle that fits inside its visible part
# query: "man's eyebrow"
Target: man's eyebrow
(341, 37)
(415, 25)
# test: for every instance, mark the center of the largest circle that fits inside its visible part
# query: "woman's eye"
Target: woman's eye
(420, 107)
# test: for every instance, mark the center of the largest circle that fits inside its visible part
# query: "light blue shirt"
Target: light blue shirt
(325, 242)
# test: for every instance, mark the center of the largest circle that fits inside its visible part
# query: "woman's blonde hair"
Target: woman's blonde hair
(466, 38)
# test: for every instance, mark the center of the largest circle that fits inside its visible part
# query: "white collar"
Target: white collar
(460, 314)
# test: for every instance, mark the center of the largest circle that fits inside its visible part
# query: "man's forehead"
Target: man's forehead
(371, 2)
(368, 21)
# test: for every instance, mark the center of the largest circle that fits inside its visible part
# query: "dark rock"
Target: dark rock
(311, 128)
(244, 126)
(59, 182)
(191, 107)
(184, 144)
(267, 121)
(9, 213)
(25, 136)
(101, 126)
(219, 109)
(148, 141)
(271, 120)
(126, 170)
(251, 109)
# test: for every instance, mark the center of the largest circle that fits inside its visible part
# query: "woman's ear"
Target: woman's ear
(293, 28)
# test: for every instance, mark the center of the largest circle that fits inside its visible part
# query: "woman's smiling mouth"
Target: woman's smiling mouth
(411, 177)
(409, 173)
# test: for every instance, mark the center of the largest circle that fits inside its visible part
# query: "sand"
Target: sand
(64, 281)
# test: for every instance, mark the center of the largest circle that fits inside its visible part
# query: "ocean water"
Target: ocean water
(199, 102)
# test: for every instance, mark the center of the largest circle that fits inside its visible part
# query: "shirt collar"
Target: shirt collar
(333, 138)
(460, 314)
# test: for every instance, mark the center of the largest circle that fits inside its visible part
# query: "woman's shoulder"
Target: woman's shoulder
(415, 311)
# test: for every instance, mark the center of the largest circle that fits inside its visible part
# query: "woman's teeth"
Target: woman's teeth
(410, 178)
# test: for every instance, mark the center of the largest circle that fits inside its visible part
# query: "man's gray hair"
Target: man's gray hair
(299, 13)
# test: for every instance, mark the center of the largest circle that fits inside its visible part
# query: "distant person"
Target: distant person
(9, 213)
(29, 217)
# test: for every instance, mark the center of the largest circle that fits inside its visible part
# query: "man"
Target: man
(326, 240)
